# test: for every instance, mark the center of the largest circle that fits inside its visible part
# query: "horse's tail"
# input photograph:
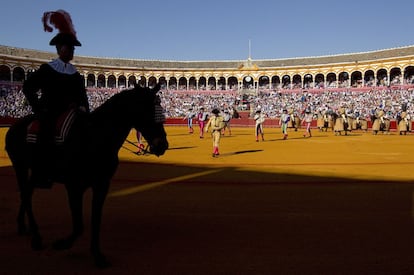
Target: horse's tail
(16, 135)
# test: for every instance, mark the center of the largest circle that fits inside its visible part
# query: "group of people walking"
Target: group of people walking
(215, 122)
(340, 122)
(344, 122)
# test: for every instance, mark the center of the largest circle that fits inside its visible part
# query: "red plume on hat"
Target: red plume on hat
(62, 21)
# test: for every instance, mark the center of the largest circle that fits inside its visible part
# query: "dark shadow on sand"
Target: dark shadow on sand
(241, 152)
(238, 222)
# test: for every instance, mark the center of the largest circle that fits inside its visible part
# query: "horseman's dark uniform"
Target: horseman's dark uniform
(61, 89)
(59, 92)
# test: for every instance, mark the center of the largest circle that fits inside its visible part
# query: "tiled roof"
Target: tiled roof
(407, 51)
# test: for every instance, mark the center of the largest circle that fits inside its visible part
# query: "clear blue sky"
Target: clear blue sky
(214, 29)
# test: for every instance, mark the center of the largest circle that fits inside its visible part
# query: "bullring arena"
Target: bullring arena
(326, 204)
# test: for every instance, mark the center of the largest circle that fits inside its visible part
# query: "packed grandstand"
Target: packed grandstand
(361, 83)
(177, 103)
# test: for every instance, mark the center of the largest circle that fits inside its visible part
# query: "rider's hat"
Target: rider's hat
(62, 21)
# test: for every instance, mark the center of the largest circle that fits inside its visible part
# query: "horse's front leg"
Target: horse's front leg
(99, 194)
(21, 215)
(75, 198)
(22, 176)
(26, 208)
(26, 194)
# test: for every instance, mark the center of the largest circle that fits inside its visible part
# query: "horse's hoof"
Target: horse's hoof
(37, 243)
(102, 262)
(62, 244)
(22, 230)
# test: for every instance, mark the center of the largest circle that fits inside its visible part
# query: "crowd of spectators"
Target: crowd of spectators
(365, 103)
(12, 101)
(177, 104)
(270, 102)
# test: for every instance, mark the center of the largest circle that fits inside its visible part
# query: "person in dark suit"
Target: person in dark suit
(54, 89)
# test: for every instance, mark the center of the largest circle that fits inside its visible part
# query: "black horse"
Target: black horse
(88, 159)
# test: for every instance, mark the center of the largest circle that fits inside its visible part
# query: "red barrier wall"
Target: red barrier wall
(6, 121)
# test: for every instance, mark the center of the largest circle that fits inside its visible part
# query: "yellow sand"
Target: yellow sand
(358, 155)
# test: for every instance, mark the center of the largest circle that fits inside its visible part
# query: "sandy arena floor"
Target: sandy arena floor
(322, 205)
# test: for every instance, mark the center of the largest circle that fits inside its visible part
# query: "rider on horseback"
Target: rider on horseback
(61, 89)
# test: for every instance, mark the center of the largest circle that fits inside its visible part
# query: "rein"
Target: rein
(144, 151)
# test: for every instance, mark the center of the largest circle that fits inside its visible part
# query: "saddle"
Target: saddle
(62, 128)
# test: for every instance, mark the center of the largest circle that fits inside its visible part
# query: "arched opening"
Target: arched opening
(101, 81)
(182, 83)
(297, 82)
(172, 83)
(233, 83)
(163, 82)
(331, 80)
(343, 80)
(382, 77)
(221, 83)
(132, 80)
(248, 83)
(111, 81)
(264, 82)
(286, 82)
(142, 81)
(275, 83)
(319, 81)
(211, 83)
(152, 82)
(122, 82)
(409, 75)
(90, 80)
(356, 79)
(369, 78)
(18, 74)
(5, 73)
(192, 83)
(395, 76)
(308, 81)
(202, 83)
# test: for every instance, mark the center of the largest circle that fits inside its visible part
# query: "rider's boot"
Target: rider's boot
(41, 176)
(42, 162)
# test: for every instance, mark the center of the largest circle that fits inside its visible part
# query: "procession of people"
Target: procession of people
(340, 119)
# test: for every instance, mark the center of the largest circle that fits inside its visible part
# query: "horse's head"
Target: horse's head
(149, 119)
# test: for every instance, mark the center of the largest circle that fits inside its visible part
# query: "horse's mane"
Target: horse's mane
(115, 104)
(111, 102)
(127, 104)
